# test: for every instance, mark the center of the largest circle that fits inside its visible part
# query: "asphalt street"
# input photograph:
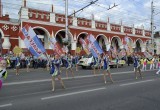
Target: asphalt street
(31, 91)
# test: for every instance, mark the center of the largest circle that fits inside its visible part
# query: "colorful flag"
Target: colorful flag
(65, 49)
(94, 47)
(31, 41)
(55, 45)
(84, 45)
(148, 55)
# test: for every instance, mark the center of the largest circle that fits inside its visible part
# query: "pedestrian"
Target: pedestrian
(55, 72)
(137, 65)
(106, 68)
(3, 71)
(158, 67)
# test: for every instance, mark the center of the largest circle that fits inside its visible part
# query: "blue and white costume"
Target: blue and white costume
(28, 61)
(106, 63)
(95, 62)
(55, 67)
(76, 59)
(136, 62)
(17, 62)
(68, 62)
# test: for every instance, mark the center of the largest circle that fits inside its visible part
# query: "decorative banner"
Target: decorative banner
(148, 55)
(150, 47)
(65, 49)
(31, 41)
(94, 47)
(113, 54)
(122, 53)
(17, 50)
(55, 45)
(84, 45)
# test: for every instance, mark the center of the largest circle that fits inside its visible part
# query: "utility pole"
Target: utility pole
(66, 16)
(152, 27)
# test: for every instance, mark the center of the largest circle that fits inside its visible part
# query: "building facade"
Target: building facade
(45, 23)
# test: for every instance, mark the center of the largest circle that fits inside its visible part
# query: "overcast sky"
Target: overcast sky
(137, 12)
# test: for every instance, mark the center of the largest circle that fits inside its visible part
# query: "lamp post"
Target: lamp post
(66, 18)
(152, 28)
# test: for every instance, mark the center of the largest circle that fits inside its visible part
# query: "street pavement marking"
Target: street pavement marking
(127, 84)
(5, 105)
(73, 93)
(45, 80)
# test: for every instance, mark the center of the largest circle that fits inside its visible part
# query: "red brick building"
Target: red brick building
(45, 22)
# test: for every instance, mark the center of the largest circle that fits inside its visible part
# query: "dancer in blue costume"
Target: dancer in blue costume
(137, 65)
(28, 62)
(68, 64)
(106, 68)
(76, 61)
(95, 64)
(99, 63)
(55, 72)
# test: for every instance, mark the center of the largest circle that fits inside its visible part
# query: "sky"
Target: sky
(129, 12)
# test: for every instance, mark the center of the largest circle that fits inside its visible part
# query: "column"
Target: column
(6, 43)
(74, 21)
(21, 43)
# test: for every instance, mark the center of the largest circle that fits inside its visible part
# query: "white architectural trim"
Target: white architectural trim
(83, 28)
(2, 33)
(140, 40)
(105, 38)
(45, 30)
(64, 31)
(8, 22)
(80, 34)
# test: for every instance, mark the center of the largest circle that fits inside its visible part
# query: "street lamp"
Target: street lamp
(66, 25)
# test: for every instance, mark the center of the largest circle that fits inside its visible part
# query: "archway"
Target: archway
(82, 35)
(43, 35)
(103, 41)
(60, 37)
(116, 42)
(138, 47)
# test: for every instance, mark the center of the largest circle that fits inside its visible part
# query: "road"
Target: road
(31, 91)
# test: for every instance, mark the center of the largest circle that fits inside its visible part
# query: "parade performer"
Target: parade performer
(106, 68)
(28, 63)
(144, 64)
(95, 65)
(99, 63)
(137, 66)
(17, 64)
(152, 63)
(76, 61)
(3, 71)
(158, 67)
(68, 64)
(55, 72)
